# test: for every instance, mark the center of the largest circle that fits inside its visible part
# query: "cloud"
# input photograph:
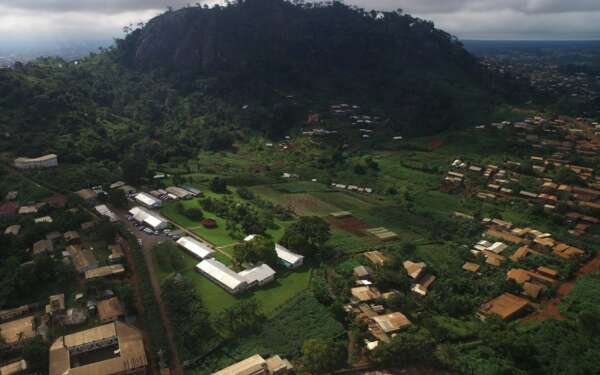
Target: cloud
(40, 20)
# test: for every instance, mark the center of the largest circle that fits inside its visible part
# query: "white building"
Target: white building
(179, 192)
(288, 258)
(143, 216)
(105, 211)
(46, 161)
(259, 275)
(222, 275)
(197, 248)
(147, 200)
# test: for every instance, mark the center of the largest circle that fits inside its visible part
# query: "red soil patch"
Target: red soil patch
(436, 143)
(350, 225)
(306, 204)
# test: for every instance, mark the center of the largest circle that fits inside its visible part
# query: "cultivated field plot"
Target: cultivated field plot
(303, 204)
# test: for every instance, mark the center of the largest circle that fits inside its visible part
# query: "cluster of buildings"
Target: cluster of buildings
(559, 142)
(506, 244)
(230, 280)
(370, 305)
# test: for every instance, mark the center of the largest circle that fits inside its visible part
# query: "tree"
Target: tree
(244, 317)
(36, 354)
(307, 236)
(187, 313)
(260, 249)
(218, 185)
(193, 213)
(117, 198)
(413, 345)
(320, 356)
(134, 168)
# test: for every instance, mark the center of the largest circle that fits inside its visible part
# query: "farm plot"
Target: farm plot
(303, 204)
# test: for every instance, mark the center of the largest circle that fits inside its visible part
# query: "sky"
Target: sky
(39, 22)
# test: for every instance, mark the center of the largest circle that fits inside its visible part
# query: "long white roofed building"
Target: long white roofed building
(288, 258)
(196, 248)
(147, 200)
(46, 161)
(222, 275)
(146, 217)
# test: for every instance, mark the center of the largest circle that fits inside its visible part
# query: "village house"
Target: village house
(391, 323)
(256, 365)
(365, 294)
(110, 310)
(14, 367)
(13, 229)
(83, 259)
(42, 246)
(8, 209)
(105, 271)
(89, 196)
(507, 306)
(362, 272)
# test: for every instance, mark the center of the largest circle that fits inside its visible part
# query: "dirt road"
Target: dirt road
(550, 308)
(148, 243)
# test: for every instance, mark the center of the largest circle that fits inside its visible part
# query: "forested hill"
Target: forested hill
(202, 77)
(419, 75)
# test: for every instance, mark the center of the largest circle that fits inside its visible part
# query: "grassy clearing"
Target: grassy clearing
(284, 334)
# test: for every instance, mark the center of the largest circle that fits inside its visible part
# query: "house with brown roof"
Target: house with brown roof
(111, 349)
(83, 259)
(257, 365)
(13, 229)
(414, 269)
(471, 267)
(9, 209)
(376, 257)
(110, 310)
(362, 272)
(42, 246)
(116, 253)
(72, 237)
(365, 294)
(106, 271)
(390, 323)
(56, 304)
(507, 306)
(56, 201)
(15, 367)
(16, 331)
